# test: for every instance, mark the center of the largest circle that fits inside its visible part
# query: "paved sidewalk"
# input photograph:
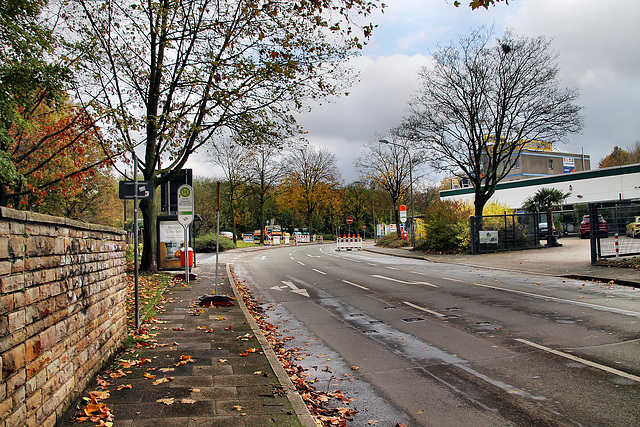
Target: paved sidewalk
(572, 259)
(219, 369)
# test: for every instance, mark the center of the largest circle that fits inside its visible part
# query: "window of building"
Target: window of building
(516, 163)
(550, 164)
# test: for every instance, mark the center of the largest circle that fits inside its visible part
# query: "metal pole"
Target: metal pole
(186, 253)
(217, 232)
(135, 238)
(413, 232)
(373, 207)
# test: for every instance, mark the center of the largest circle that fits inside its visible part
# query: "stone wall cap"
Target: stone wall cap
(28, 216)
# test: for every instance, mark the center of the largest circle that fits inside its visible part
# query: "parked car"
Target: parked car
(585, 227)
(542, 228)
(633, 228)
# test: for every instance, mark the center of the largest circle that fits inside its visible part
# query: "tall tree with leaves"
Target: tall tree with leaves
(485, 97)
(620, 156)
(171, 74)
(310, 180)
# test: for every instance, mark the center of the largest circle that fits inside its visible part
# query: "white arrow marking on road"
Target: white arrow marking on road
(296, 289)
(353, 284)
(404, 281)
(277, 288)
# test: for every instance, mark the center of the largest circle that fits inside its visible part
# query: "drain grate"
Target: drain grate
(449, 316)
(357, 315)
(413, 319)
(389, 308)
(370, 331)
(375, 322)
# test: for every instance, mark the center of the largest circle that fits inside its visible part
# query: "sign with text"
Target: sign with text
(403, 213)
(185, 204)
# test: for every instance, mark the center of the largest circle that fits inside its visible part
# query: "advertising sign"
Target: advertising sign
(488, 237)
(569, 164)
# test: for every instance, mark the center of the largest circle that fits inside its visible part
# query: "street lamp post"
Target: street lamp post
(413, 233)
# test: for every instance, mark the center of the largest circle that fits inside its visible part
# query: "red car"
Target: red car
(585, 227)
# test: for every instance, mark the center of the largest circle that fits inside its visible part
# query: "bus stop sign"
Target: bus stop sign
(185, 205)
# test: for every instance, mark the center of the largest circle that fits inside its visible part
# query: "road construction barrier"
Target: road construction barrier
(349, 242)
(286, 240)
(303, 238)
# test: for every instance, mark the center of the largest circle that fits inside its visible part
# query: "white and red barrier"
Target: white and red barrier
(303, 238)
(349, 242)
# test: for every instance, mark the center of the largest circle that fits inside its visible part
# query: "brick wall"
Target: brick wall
(62, 311)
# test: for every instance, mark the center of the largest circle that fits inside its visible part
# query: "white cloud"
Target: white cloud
(597, 50)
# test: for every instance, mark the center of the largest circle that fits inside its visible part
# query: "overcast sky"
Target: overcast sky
(596, 42)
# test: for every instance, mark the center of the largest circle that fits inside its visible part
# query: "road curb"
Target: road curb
(300, 408)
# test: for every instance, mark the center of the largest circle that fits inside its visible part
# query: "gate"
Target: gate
(508, 232)
(622, 218)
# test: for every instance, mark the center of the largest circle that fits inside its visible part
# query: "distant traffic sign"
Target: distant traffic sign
(403, 213)
(349, 220)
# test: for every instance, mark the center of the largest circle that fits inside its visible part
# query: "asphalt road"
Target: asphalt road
(438, 344)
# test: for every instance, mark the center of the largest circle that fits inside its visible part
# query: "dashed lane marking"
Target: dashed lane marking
(356, 285)
(426, 310)
(581, 360)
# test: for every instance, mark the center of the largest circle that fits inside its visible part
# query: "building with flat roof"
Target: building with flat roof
(619, 183)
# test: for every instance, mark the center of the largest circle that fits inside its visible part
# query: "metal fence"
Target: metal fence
(508, 232)
(620, 218)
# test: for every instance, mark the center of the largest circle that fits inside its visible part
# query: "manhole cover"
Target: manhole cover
(413, 319)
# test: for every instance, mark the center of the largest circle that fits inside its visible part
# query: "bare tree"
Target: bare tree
(391, 167)
(481, 101)
(234, 160)
(264, 171)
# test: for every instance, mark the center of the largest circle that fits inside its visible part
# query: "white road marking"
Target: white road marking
(568, 301)
(426, 310)
(357, 286)
(404, 281)
(318, 271)
(453, 280)
(313, 256)
(392, 268)
(373, 265)
(300, 262)
(581, 360)
(296, 289)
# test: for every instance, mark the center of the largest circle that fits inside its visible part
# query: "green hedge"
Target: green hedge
(207, 243)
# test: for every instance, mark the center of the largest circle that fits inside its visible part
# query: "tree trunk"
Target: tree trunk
(148, 261)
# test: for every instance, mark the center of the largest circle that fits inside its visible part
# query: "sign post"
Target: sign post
(185, 217)
(349, 221)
